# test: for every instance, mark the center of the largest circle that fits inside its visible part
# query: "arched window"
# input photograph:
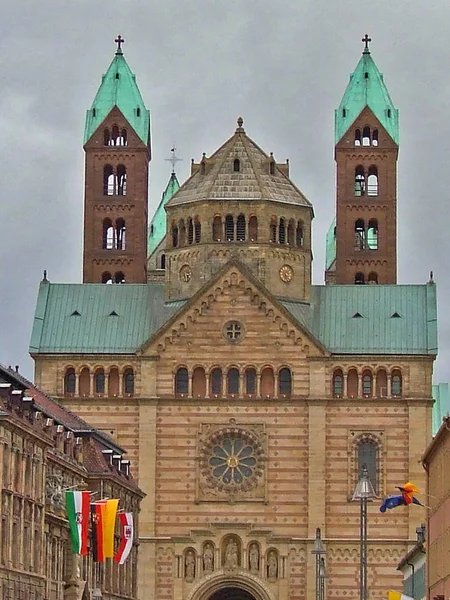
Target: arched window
(69, 382)
(360, 181)
(352, 383)
(229, 228)
(163, 261)
(121, 180)
(381, 384)
(85, 382)
(120, 234)
(233, 381)
(99, 381)
(106, 137)
(175, 235)
(123, 139)
(396, 383)
(253, 229)
(273, 229)
(285, 382)
(108, 181)
(368, 457)
(360, 279)
(198, 383)
(291, 232)
(357, 137)
(372, 181)
(267, 383)
(128, 381)
(366, 136)
(236, 165)
(282, 232)
(215, 383)
(190, 231)
(360, 235)
(108, 235)
(217, 228)
(272, 167)
(114, 135)
(182, 381)
(182, 233)
(119, 277)
(197, 230)
(372, 279)
(113, 382)
(372, 235)
(375, 137)
(367, 384)
(138, 112)
(299, 234)
(250, 382)
(338, 383)
(240, 228)
(106, 277)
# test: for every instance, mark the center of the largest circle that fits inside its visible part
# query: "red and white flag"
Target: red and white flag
(126, 543)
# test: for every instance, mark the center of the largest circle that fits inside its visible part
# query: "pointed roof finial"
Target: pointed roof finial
(119, 41)
(366, 40)
(173, 159)
(240, 123)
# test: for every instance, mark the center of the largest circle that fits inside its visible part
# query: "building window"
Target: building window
(273, 229)
(69, 381)
(372, 235)
(367, 383)
(197, 230)
(182, 233)
(357, 137)
(108, 180)
(240, 228)
(372, 181)
(106, 277)
(282, 232)
(250, 382)
(372, 279)
(199, 383)
(360, 235)
(366, 136)
(217, 228)
(233, 381)
(381, 384)
(100, 381)
(181, 381)
(121, 180)
(299, 234)
(229, 228)
(396, 383)
(253, 228)
(163, 261)
(190, 231)
(236, 165)
(338, 384)
(128, 381)
(285, 382)
(367, 456)
(174, 236)
(267, 383)
(233, 331)
(216, 382)
(360, 181)
(352, 383)
(360, 279)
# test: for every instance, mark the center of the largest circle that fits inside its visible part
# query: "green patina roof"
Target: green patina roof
(158, 225)
(395, 319)
(441, 406)
(366, 88)
(330, 251)
(119, 88)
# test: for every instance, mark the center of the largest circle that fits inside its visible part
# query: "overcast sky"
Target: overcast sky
(200, 64)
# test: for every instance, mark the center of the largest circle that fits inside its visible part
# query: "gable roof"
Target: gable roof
(253, 181)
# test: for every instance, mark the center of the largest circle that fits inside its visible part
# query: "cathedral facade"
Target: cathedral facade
(249, 400)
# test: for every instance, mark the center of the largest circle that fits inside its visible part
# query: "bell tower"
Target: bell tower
(366, 151)
(118, 151)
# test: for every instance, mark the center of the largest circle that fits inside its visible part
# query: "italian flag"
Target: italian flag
(126, 543)
(77, 506)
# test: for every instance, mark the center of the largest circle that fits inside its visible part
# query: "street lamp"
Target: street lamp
(318, 550)
(363, 494)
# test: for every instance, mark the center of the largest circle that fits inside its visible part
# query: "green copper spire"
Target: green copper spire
(366, 88)
(119, 88)
(157, 229)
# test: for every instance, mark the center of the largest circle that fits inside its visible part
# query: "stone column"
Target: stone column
(74, 587)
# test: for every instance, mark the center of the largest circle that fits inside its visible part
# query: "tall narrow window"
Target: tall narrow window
(198, 383)
(120, 234)
(182, 233)
(253, 229)
(229, 228)
(128, 381)
(197, 230)
(282, 232)
(217, 228)
(368, 457)
(236, 165)
(240, 228)
(360, 181)
(360, 235)
(372, 235)
(108, 181)
(352, 383)
(106, 137)
(119, 277)
(85, 382)
(113, 382)
(360, 279)
(233, 381)
(216, 382)
(163, 261)
(291, 232)
(372, 279)
(357, 137)
(250, 382)
(285, 382)
(396, 382)
(175, 235)
(99, 381)
(114, 135)
(267, 383)
(106, 277)
(69, 382)
(338, 383)
(372, 181)
(366, 136)
(190, 231)
(182, 381)
(121, 180)
(381, 384)
(272, 167)
(367, 384)
(108, 235)
(299, 234)
(375, 137)
(273, 229)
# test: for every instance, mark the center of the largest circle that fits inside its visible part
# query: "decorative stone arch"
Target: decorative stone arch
(221, 580)
(356, 439)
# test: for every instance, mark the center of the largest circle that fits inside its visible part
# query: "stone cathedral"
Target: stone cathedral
(247, 398)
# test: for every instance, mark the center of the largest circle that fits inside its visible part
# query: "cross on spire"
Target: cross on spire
(119, 41)
(173, 159)
(366, 39)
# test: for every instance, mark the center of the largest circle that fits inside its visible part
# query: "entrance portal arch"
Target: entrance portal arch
(232, 593)
(231, 585)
